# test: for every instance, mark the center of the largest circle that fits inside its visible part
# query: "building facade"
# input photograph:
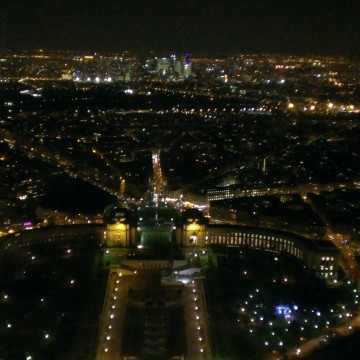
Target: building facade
(121, 231)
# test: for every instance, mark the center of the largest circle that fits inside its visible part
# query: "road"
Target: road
(65, 163)
(196, 322)
(322, 340)
(158, 179)
(112, 322)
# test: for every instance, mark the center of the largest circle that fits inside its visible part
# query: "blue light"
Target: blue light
(282, 310)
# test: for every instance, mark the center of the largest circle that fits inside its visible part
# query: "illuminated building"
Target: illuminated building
(319, 256)
(120, 227)
(194, 226)
(234, 191)
(122, 187)
(187, 69)
(178, 67)
(163, 66)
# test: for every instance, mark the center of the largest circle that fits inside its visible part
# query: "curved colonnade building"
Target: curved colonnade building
(135, 290)
(190, 229)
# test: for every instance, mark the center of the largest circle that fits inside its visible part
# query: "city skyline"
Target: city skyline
(297, 27)
(169, 206)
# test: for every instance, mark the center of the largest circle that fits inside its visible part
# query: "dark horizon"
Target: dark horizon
(296, 27)
(164, 52)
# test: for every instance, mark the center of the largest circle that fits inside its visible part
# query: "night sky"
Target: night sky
(198, 26)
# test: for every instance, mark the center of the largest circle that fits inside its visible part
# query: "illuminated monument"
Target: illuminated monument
(153, 226)
(137, 298)
(166, 314)
(168, 319)
(120, 227)
(194, 228)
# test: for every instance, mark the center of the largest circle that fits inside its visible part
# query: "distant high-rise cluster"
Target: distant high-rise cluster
(105, 69)
(173, 67)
